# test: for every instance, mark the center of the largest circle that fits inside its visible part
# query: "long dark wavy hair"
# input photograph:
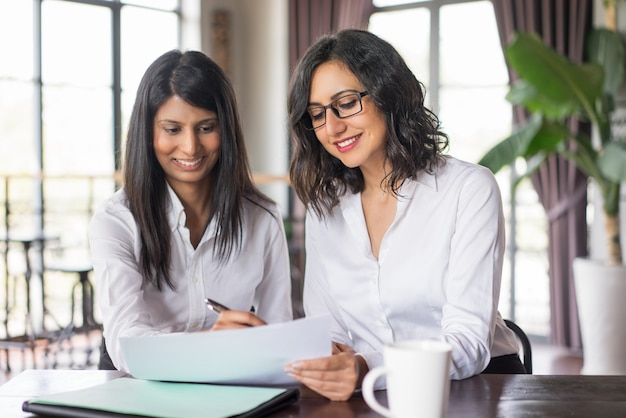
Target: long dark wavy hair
(199, 81)
(415, 141)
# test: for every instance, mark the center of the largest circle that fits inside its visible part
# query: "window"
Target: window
(454, 49)
(66, 93)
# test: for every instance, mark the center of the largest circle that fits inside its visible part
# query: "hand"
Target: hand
(335, 377)
(236, 319)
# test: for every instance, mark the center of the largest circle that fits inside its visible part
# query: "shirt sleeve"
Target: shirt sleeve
(113, 243)
(475, 267)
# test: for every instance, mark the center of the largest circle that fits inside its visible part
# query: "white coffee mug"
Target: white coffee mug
(418, 380)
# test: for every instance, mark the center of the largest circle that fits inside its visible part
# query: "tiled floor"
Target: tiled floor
(546, 359)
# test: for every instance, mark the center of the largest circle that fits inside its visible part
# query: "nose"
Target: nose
(334, 124)
(189, 142)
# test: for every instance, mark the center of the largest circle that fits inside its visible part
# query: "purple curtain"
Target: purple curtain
(562, 188)
(308, 19)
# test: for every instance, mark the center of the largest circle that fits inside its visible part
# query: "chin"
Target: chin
(349, 163)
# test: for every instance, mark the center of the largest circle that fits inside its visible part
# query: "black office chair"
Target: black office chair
(527, 352)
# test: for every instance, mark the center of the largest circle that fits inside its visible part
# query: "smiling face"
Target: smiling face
(186, 142)
(358, 140)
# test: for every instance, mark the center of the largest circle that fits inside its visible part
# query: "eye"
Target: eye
(316, 113)
(171, 129)
(207, 127)
(347, 102)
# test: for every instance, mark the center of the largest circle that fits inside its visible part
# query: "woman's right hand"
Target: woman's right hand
(236, 319)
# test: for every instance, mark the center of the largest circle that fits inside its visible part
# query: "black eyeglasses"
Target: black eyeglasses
(343, 107)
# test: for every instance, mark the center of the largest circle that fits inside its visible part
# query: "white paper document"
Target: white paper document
(250, 356)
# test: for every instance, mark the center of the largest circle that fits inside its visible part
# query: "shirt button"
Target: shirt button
(194, 279)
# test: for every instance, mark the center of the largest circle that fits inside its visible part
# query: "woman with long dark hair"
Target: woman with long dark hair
(189, 223)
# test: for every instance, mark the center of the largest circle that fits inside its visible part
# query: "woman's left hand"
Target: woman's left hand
(335, 377)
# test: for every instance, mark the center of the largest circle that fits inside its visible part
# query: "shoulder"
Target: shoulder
(464, 173)
(453, 166)
(113, 210)
(118, 202)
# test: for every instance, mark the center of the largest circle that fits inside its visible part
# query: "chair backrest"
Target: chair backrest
(527, 355)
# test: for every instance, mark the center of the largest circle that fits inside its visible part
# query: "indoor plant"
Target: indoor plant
(553, 89)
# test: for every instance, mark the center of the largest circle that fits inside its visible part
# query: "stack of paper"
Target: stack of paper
(250, 356)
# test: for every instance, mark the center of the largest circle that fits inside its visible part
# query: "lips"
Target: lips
(189, 164)
(347, 144)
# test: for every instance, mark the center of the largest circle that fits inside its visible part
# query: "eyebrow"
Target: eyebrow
(335, 96)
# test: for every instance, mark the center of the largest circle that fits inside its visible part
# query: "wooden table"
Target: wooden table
(483, 396)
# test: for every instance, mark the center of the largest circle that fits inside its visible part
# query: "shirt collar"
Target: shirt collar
(424, 179)
(175, 211)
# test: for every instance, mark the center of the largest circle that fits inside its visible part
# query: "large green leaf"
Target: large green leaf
(605, 48)
(612, 161)
(513, 147)
(525, 94)
(549, 138)
(572, 85)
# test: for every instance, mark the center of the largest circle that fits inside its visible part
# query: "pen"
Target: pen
(219, 308)
(215, 306)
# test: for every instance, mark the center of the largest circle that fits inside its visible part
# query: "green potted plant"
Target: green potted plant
(553, 89)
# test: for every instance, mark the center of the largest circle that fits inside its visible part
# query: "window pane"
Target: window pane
(155, 4)
(19, 155)
(475, 118)
(141, 47)
(469, 45)
(77, 131)
(409, 32)
(76, 44)
(16, 39)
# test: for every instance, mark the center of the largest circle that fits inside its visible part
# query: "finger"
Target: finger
(236, 319)
(323, 368)
(344, 348)
(334, 390)
(319, 364)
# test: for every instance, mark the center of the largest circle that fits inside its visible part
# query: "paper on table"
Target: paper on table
(250, 356)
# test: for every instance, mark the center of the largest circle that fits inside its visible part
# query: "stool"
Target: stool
(89, 322)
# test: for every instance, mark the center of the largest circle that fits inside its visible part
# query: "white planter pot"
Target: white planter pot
(601, 298)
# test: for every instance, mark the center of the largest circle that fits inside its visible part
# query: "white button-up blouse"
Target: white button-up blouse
(437, 275)
(258, 276)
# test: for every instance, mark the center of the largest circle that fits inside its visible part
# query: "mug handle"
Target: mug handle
(367, 390)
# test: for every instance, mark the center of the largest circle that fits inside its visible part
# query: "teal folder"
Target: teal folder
(144, 398)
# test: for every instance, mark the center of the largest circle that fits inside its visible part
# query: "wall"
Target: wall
(260, 72)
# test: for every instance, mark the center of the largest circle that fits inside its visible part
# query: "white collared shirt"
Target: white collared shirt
(437, 275)
(257, 276)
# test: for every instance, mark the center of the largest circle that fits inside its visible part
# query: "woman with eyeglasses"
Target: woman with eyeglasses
(188, 224)
(402, 241)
